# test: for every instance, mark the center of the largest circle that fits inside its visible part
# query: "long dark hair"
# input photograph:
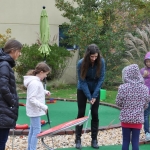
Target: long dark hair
(91, 49)
(42, 66)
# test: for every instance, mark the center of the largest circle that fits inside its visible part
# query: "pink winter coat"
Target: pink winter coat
(146, 79)
(133, 96)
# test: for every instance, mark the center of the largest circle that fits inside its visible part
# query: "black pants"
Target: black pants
(4, 132)
(82, 100)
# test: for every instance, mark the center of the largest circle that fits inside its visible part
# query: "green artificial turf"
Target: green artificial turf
(64, 111)
(110, 147)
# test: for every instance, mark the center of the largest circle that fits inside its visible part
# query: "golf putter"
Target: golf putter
(88, 118)
(49, 126)
(48, 119)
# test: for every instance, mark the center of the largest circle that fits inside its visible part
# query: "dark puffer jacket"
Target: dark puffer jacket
(8, 94)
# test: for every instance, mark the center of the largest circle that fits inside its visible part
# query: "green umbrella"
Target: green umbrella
(44, 36)
(44, 33)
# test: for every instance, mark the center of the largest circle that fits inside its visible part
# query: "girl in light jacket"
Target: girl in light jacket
(132, 98)
(35, 104)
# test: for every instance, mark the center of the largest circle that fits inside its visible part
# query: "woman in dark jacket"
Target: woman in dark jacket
(91, 72)
(8, 95)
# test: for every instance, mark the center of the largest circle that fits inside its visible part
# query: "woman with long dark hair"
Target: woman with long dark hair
(91, 72)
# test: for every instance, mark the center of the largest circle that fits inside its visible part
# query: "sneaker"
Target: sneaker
(147, 136)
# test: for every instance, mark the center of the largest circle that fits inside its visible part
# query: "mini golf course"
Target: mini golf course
(110, 147)
(63, 111)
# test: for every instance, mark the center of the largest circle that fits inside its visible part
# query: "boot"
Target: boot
(94, 144)
(94, 132)
(78, 131)
(78, 144)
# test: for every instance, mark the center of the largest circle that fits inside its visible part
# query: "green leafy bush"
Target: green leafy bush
(57, 60)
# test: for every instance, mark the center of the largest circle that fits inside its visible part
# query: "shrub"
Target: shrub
(5, 37)
(57, 60)
(137, 45)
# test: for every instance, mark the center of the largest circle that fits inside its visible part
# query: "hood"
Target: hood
(147, 56)
(6, 57)
(131, 74)
(28, 79)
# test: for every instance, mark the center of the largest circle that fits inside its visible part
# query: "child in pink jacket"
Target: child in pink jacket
(132, 98)
(146, 75)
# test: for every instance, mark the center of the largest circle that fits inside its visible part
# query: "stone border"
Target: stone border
(69, 131)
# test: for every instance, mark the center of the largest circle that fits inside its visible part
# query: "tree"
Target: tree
(5, 37)
(104, 23)
(83, 27)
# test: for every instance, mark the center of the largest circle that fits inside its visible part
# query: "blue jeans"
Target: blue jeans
(35, 128)
(127, 137)
(146, 119)
(4, 132)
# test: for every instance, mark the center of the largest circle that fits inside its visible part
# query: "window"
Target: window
(63, 39)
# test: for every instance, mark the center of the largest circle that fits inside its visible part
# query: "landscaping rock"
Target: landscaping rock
(105, 137)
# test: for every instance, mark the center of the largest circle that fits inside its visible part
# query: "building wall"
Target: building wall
(69, 75)
(23, 18)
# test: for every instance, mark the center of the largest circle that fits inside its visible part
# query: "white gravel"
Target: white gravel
(105, 137)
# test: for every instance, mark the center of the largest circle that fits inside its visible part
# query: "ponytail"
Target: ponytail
(31, 73)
